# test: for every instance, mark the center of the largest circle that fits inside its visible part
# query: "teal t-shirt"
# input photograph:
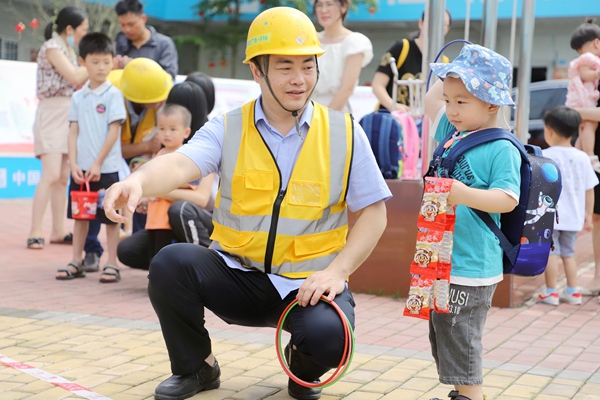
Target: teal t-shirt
(476, 254)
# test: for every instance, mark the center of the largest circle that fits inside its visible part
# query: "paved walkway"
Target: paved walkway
(106, 338)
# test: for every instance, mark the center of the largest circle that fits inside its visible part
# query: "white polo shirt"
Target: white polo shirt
(94, 110)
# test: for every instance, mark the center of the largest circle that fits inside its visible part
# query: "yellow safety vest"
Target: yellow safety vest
(144, 128)
(292, 232)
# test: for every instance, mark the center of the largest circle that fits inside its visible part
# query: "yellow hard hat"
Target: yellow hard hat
(144, 81)
(115, 77)
(282, 31)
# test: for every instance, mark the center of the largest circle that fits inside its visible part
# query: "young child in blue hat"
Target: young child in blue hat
(466, 100)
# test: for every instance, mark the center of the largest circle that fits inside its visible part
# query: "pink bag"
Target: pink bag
(411, 144)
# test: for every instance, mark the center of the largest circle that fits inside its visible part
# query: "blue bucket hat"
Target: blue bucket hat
(485, 73)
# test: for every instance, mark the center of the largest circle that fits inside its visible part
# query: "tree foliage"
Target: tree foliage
(102, 15)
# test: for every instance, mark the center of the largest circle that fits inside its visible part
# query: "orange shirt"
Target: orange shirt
(158, 216)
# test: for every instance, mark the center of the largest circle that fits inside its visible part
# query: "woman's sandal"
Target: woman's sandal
(68, 239)
(115, 272)
(79, 273)
(36, 243)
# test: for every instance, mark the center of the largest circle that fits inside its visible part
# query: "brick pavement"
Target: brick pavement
(106, 338)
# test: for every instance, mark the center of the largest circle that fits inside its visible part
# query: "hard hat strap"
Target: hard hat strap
(294, 112)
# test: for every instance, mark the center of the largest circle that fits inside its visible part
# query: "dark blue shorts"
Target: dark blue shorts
(106, 180)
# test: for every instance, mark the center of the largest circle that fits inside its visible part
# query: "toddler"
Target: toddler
(584, 72)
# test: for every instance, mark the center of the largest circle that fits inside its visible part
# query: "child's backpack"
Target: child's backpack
(412, 145)
(385, 136)
(526, 232)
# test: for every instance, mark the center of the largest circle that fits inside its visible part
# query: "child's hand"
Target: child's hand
(118, 62)
(77, 174)
(457, 193)
(588, 223)
(154, 145)
(93, 173)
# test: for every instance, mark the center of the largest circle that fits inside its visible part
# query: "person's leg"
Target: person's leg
(112, 240)
(551, 273)
(593, 285)
(134, 251)
(587, 137)
(51, 173)
(317, 333)
(92, 243)
(79, 230)
(58, 201)
(571, 294)
(190, 223)
(549, 295)
(162, 238)
(138, 221)
(459, 354)
(183, 280)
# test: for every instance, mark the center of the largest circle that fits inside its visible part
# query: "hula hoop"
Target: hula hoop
(347, 355)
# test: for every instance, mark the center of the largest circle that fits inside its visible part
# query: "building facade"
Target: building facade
(392, 20)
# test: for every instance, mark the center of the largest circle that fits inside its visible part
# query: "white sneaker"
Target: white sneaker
(550, 299)
(574, 299)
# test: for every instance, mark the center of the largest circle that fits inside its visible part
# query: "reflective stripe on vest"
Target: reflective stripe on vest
(293, 232)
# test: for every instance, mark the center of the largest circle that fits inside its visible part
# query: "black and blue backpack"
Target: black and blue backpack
(385, 136)
(526, 232)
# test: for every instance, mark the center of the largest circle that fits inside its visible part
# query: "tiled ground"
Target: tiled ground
(106, 338)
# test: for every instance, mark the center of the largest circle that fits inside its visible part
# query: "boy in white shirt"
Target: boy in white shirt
(575, 205)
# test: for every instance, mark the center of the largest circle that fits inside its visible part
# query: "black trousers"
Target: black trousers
(190, 223)
(186, 278)
(137, 250)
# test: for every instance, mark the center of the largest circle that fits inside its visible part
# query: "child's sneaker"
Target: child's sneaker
(547, 298)
(574, 299)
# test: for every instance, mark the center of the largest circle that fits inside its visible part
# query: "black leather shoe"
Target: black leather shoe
(304, 370)
(303, 393)
(179, 387)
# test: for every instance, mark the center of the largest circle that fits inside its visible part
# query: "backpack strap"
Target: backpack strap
(385, 128)
(487, 135)
(403, 53)
(448, 161)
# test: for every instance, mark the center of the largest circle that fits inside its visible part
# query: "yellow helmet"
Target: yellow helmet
(115, 77)
(144, 81)
(282, 31)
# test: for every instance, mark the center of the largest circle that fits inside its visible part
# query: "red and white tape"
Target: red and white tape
(53, 379)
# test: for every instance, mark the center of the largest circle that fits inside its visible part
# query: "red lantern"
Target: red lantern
(223, 63)
(201, 14)
(211, 65)
(20, 27)
(230, 10)
(372, 10)
(34, 24)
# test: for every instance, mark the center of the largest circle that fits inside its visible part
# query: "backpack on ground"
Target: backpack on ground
(526, 232)
(385, 136)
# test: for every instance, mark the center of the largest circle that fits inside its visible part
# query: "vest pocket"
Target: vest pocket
(319, 244)
(232, 239)
(259, 180)
(304, 193)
